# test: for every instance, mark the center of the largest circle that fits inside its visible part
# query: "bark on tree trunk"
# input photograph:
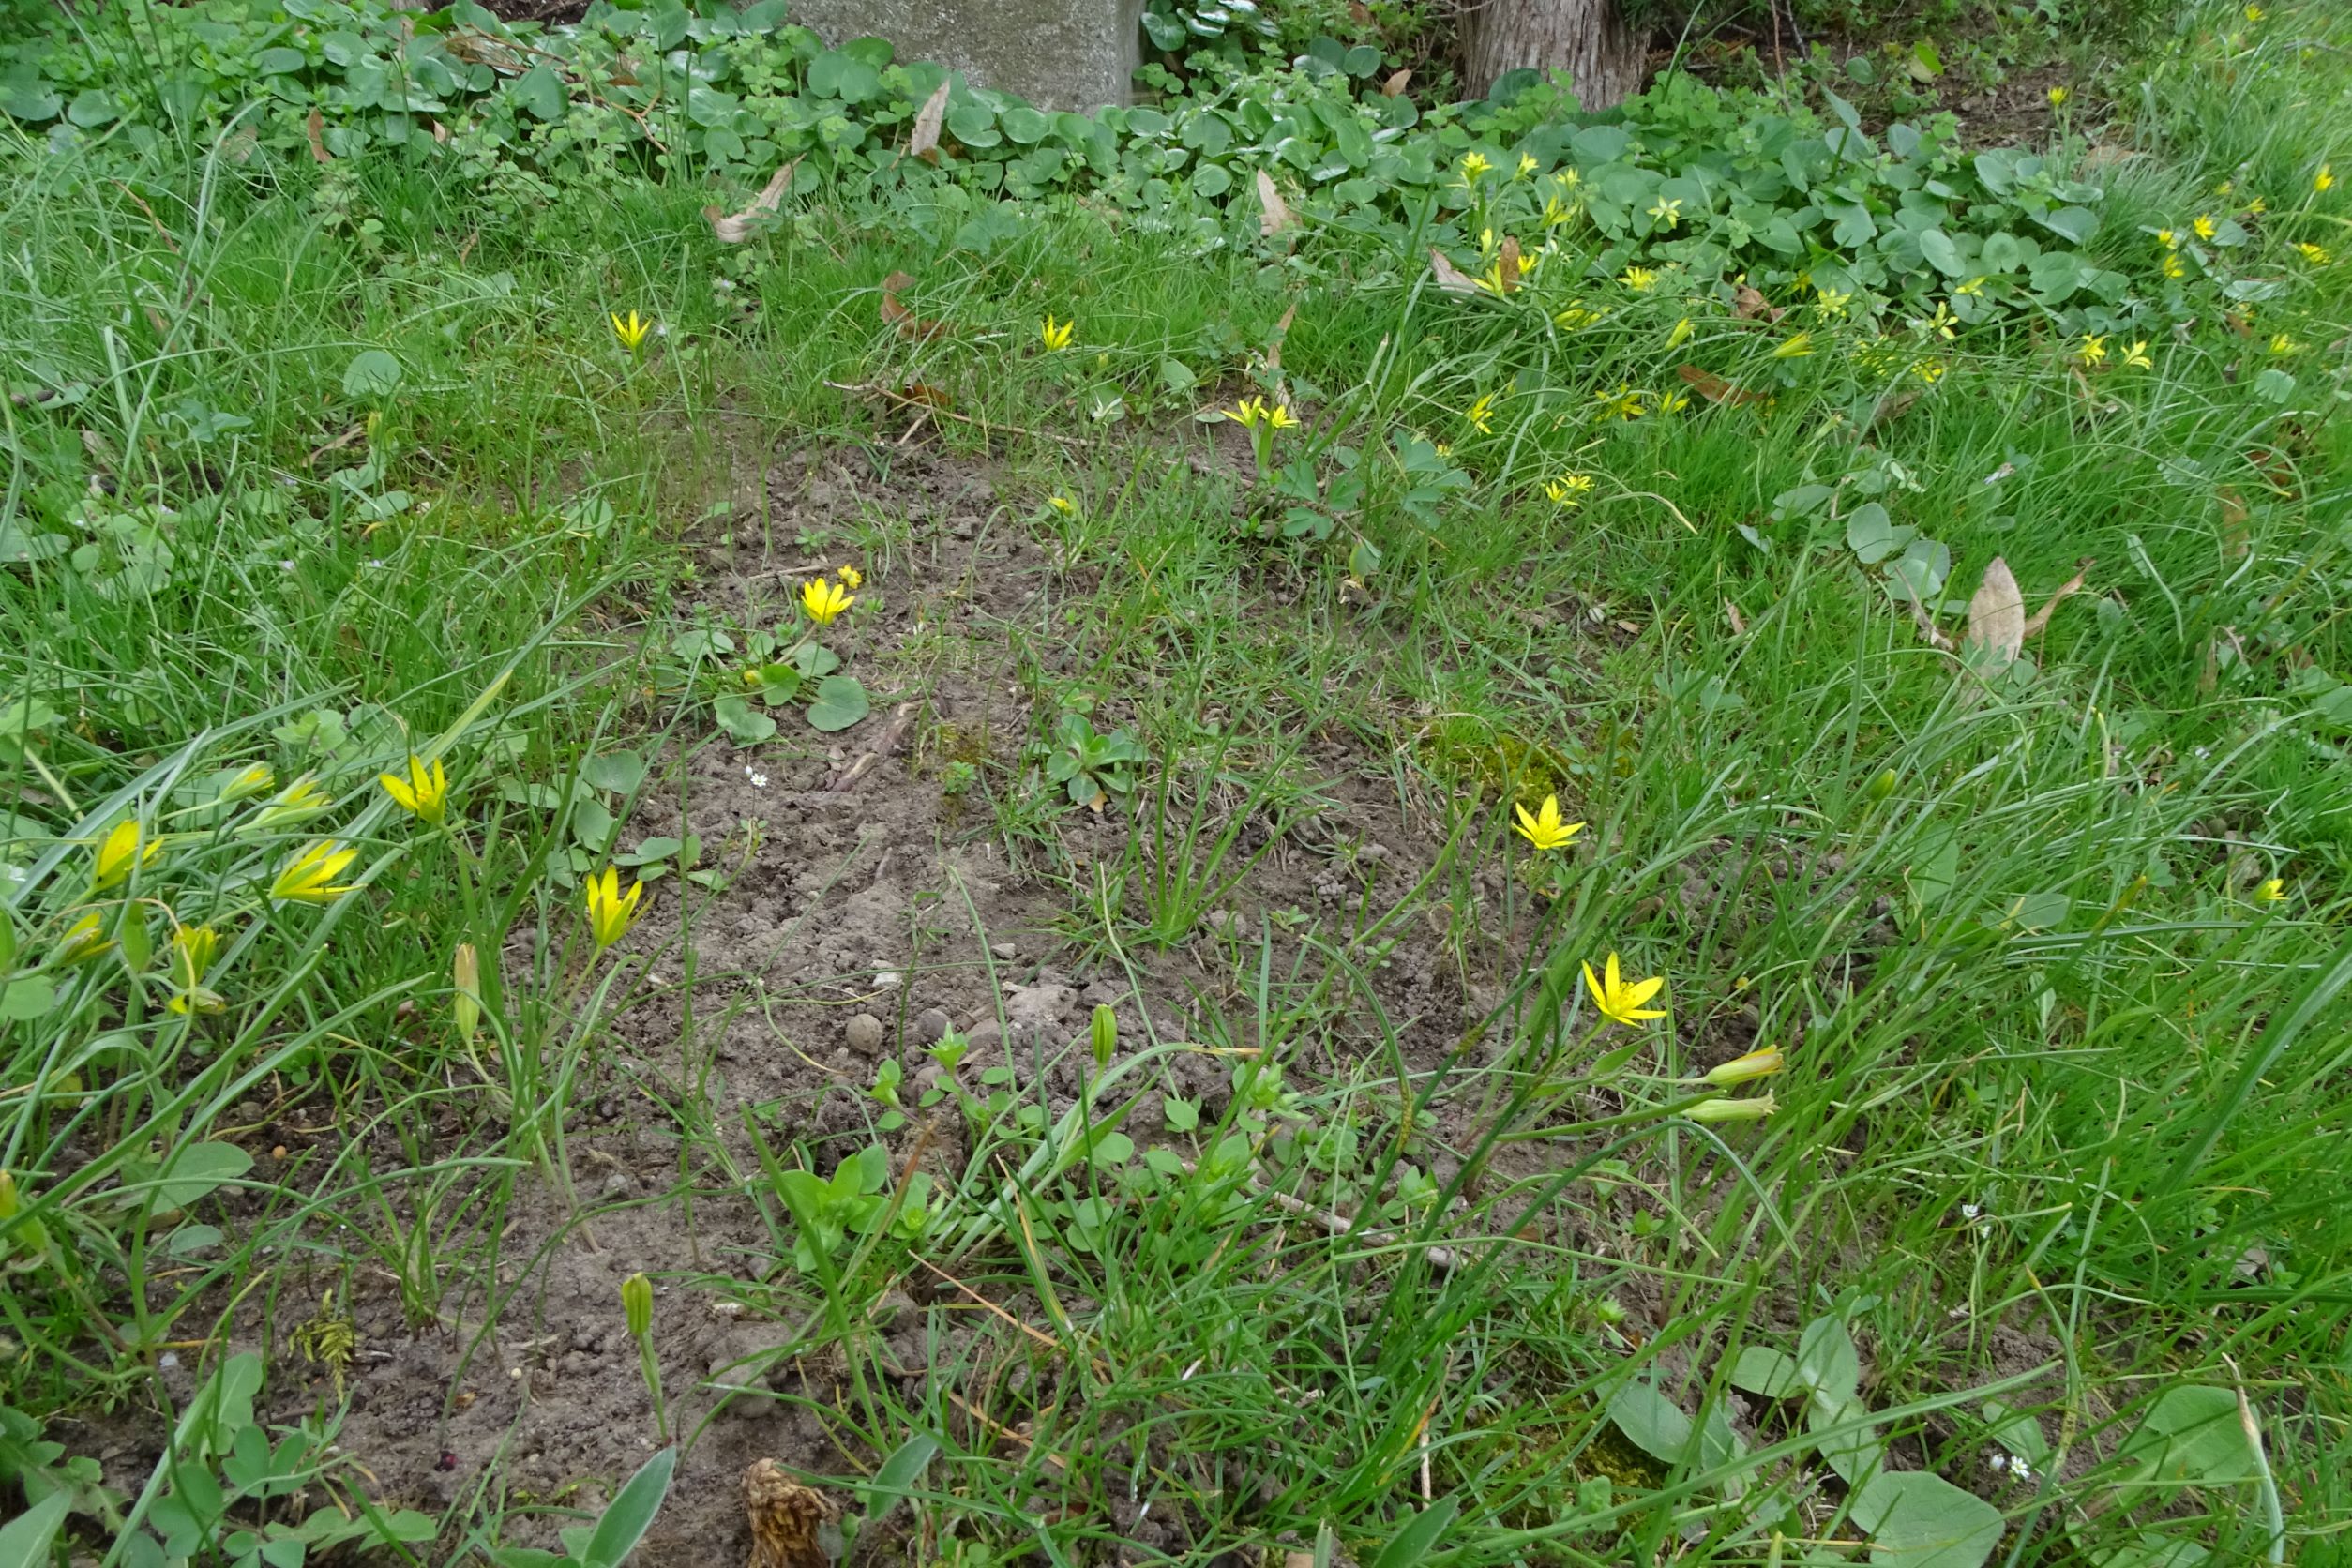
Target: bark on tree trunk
(1587, 39)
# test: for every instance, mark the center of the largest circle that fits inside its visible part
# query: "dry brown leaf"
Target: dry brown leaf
(1395, 83)
(2073, 585)
(1272, 216)
(1997, 617)
(315, 127)
(735, 228)
(898, 315)
(1715, 388)
(1751, 306)
(1452, 279)
(924, 141)
(2235, 542)
(1738, 622)
(1507, 264)
(787, 1519)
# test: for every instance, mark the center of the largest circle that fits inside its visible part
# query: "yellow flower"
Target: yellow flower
(1620, 999)
(121, 846)
(2135, 357)
(1527, 166)
(2315, 254)
(2283, 344)
(2255, 13)
(2058, 97)
(637, 1305)
(1741, 1069)
(1732, 1110)
(1681, 333)
(2169, 238)
(1929, 371)
(1796, 348)
(632, 331)
(1973, 288)
(2093, 350)
(609, 914)
(253, 780)
(1831, 303)
(1941, 323)
(1668, 213)
(1674, 401)
(1480, 415)
(1569, 490)
(1637, 278)
(2204, 227)
(824, 599)
(1246, 413)
(1543, 827)
(1056, 335)
(1568, 179)
(1474, 166)
(1556, 212)
(1277, 417)
(2257, 206)
(1062, 504)
(2325, 180)
(465, 972)
(308, 878)
(424, 793)
(1576, 316)
(192, 947)
(2175, 267)
(2272, 891)
(1623, 403)
(297, 802)
(83, 942)
(850, 577)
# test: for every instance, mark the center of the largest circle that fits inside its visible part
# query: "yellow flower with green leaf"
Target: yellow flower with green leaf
(2323, 181)
(824, 599)
(125, 845)
(254, 780)
(1720, 1110)
(632, 331)
(423, 792)
(297, 802)
(1745, 1069)
(1568, 492)
(2204, 227)
(2091, 349)
(1056, 335)
(1621, 1000)
(2135, 357)
(193, 949)
(1527, 166)
(83, 941)
(2317, 255)
(2058, 97)
(1666, 212)
(850, 577)
(1623, 403)
(611, 912)
(1681, 333)
(1474, 168)
(1543, 827)
(1795, 348)
(1480, 415)
(308, 878)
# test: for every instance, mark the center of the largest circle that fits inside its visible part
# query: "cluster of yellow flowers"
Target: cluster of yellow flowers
(1250, 413)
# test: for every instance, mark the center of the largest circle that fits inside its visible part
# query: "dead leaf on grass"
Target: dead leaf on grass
(1452, 279)
(735, 228)
(924, 140)
(1715, 388)
(1751, 305)
(1507, 264)
(788, 1521)
(1273, 344)
(1274, 216)
(2235, 541)
(1997, 617)
(1395, 83)
(898, 315)
(315, 127)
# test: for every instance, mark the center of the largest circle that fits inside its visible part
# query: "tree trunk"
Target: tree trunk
(1587, 39)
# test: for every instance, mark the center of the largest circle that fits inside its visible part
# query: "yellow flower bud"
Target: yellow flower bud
(1740, 1069)
(1106, 1034)
(467, 972)
(1732, 1110)
(636, 1304)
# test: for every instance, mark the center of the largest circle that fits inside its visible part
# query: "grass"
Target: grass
(2058, 1119)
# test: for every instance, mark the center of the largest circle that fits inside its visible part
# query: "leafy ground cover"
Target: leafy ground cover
(1630, 848)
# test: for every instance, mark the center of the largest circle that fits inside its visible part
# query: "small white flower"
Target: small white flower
(1970, 1211)
(2000, 1462)
(759, 780)
(285, 566)
(376, 563)
(2019, 1469)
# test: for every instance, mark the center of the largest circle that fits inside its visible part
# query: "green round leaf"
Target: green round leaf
(371, 373)
(974, 125)
(840, 702)
(1211, 179)
(1025, 124)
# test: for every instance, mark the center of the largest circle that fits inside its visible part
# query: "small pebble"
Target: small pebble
(932, 1026)
(864, 1034)
(889, 979)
